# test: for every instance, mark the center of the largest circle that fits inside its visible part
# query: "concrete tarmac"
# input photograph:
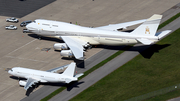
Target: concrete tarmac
(25, 50)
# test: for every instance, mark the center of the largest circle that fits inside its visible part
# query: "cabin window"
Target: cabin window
(46, 24)
(45, 31)
(55, 25)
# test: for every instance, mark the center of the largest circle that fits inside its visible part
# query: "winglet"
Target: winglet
(70, 70)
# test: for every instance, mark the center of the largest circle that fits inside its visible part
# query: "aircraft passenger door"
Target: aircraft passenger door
(38, 30)
(56, 33)
(99, 37)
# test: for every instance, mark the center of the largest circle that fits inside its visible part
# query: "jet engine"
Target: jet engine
(22, 83)
(60, 46)
(67, 53)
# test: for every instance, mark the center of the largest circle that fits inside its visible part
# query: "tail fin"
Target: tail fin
(149, 27)
(70, 70)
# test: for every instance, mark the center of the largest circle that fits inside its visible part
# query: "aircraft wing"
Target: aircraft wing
(75, 46)
(30, 82)
(114, 27)
(56, 69)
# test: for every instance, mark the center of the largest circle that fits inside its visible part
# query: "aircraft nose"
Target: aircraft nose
(9, 71)
(28, 26)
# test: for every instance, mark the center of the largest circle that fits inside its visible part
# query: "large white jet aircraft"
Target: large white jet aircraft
(36, 76)
(77, 37)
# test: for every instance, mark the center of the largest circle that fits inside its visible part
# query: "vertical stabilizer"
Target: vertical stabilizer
(149, 27)
(70, 70)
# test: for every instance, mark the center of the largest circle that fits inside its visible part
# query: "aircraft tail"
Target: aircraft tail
(70, 70)
(149, 27)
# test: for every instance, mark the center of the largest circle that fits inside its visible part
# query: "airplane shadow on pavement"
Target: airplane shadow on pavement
(146, 51)
(69, 86)
(73, 84)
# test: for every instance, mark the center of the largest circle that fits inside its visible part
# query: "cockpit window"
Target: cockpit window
(34, 21)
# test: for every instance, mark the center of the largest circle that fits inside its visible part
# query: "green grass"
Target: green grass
(139, 76)
(168, 21)
(166, 96)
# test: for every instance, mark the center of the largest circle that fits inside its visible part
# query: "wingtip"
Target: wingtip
(81, 58)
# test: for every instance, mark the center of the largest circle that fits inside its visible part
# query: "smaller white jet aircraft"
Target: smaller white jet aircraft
(36, 76)
(77, 37)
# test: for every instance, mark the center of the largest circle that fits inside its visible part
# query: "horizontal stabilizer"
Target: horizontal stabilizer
(163, 34)
(78, 75)
(67, 80)
(145, 41)
(54, 70)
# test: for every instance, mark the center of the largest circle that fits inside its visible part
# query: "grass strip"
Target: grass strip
(169, 21)
(86, 73)
(166, 96)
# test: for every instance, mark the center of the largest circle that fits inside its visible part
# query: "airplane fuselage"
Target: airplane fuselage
(93, 36)
(41, 76)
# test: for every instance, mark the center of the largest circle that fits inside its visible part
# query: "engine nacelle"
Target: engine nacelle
(60, 46)
(67, 53)
(22, 83)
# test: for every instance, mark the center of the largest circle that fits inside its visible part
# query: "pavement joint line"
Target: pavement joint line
(12, 93)
(6, 84)
(22, 46)
(26, 59)
(6, 89)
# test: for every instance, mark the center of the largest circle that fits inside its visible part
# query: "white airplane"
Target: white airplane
(36, 76)
(77, 37)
